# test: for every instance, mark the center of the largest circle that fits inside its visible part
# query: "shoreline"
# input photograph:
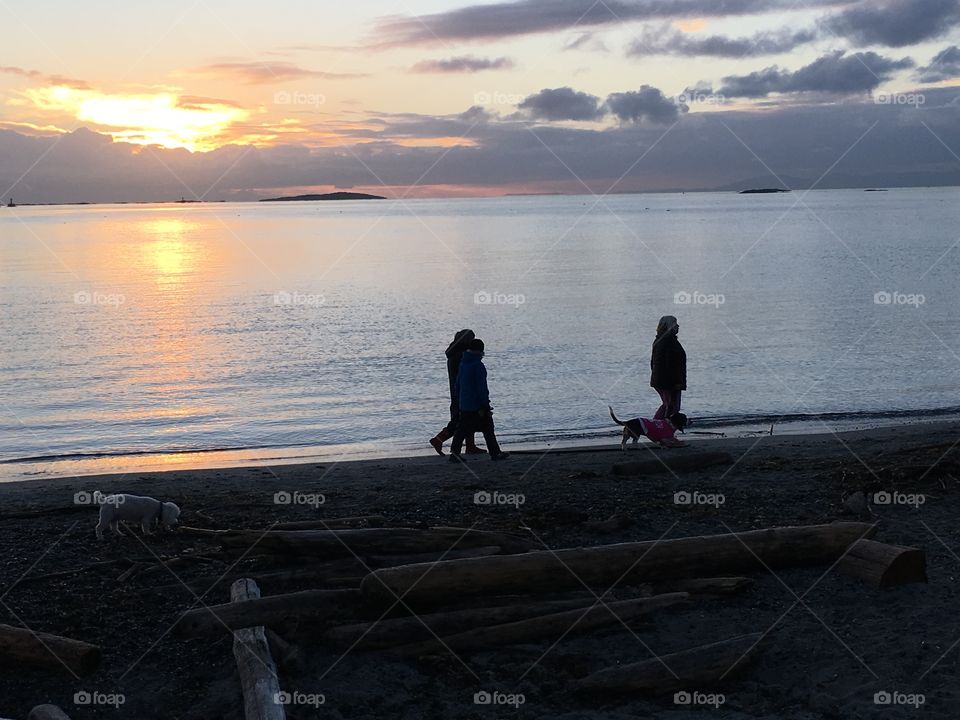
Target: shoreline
(818, 446)
(81, 466)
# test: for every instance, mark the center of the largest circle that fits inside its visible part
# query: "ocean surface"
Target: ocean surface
(196, 335)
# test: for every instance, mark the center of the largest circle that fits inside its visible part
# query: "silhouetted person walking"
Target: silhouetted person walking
(668, 365)
(454, 353)
(476, 413)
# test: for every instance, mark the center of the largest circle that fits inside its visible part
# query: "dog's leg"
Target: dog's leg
(115, 526)
(100, 528)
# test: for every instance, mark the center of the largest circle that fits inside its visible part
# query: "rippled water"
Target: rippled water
(159, 329)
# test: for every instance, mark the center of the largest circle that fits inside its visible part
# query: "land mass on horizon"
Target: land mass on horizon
(325, 196)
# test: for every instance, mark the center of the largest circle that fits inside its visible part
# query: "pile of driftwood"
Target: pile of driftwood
(443, 590)
(411, 593)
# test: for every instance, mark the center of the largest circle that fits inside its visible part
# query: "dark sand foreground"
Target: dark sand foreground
(832, 642)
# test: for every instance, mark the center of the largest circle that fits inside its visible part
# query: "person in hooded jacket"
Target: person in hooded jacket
(668, 366)
(454, 354)
(476, 413)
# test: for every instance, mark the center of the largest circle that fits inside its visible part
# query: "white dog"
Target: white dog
(135, 508)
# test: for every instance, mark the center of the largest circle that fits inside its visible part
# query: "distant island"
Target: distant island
(764, 191)
(327, 196)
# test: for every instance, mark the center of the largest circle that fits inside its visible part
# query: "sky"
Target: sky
(216, 100)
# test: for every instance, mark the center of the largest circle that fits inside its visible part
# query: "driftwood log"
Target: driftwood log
(385, 541)
(884, 566)
(50, 651)
(554, 625)
(266, 611)
(323, 573)
(258, 673)
(706, 587)
(696, 669)
(406, 630)
(370, 521)
(688, 557)
(673, 461)
(47, 712)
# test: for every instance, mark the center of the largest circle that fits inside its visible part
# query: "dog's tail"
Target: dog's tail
(617, 420)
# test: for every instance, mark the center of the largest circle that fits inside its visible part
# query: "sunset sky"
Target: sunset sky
(211, 99)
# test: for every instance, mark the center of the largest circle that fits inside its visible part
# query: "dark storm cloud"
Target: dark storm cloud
(562, 104)
(524, 17)
(647, 105)
(665, 41)
(463, 64)
(895, 23)
(945, 66)
(835, 73)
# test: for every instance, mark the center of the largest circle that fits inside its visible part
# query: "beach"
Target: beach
(830, 642)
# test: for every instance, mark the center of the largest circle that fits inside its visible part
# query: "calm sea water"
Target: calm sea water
(292, 329)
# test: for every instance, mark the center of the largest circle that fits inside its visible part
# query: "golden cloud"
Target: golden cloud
(164, 119)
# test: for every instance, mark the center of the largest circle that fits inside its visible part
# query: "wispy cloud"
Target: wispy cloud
(836, 73)
(526, 17)
(46, 79)
(463, 64)
(665, 41)
(261, 73)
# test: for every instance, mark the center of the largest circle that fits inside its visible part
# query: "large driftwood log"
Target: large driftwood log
(321, 573)
(884, 566)
(672, 461)
(47, 712)
(258, 673)
(405, 630)
(267, 611)
(50, 651)
(385, 541)
(370, 521)
(608, 564)
(696, 669)
(706, 587)
(554, 625)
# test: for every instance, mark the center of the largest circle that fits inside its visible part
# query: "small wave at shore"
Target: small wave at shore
(716, 424)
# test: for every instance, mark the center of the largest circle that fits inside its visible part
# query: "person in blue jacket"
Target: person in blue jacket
(476, 413)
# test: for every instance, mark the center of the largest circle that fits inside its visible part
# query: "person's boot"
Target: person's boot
(438, 441)
(473, 448)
